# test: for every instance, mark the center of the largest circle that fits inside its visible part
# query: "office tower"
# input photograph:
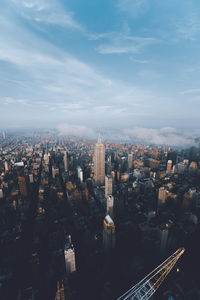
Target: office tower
(108, 234)
(55, 171)
(163, 240)
(1, 193)
(108, 185)
(60, 293)
(109, 205)
(6, 166)
(31, 178)
(113, 175)
(65, 161)
(99, 162)
(108, 165)
(46, 159)
(22, 186)
(80, 174)
(130, 160)
(4, 135)
(69, 256)
(169, 166)
(162, 195)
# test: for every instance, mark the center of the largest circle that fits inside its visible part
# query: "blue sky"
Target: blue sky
(77, 65)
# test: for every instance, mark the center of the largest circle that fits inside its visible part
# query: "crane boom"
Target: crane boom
(148, 285)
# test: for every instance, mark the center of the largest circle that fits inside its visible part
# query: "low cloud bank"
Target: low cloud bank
(76, 131)
(164, 136)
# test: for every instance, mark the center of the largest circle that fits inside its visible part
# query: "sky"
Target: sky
(128, 66)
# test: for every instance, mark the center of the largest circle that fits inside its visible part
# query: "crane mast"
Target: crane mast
(148, 285)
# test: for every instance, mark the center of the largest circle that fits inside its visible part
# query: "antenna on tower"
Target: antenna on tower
(99, 138)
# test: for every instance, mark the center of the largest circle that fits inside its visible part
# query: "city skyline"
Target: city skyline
(132, 64)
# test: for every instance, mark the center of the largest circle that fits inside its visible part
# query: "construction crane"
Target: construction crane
(147, 286)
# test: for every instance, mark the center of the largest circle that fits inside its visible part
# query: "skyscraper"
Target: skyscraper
(46, 158)
(130, 160)
(108, 234)
(69, 256)
(109, 205)
(162, 195)
(169, 166)
(80, 174)
(99, 162)
(108, 185)
(6, 166)
(65, 161)
(163, 240)
(22, 186)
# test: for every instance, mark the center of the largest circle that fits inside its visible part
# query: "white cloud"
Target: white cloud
(133, 8)
(188, 28)
(47, 12)
(164, 136)
(57, 81)
(76, 130)
(139, 61)
(121, 43)
(190, 91)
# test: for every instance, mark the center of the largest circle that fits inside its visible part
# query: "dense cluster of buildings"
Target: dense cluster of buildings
(77, 216)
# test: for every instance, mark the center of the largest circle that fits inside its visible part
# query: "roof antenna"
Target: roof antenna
(99, 138)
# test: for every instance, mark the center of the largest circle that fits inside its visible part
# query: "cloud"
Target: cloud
(188, 28)
(190, 91)
(133, 8)
(46, 12)
(76, 130)
(57, 82)
(121, 43)
(164, 136)
(139, 61)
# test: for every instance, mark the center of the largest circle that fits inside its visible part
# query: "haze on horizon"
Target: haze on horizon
(125, 65)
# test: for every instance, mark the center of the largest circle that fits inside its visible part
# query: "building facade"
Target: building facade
(99, 162)
(109, 235)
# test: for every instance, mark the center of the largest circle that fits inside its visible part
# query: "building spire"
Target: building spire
(99, 138)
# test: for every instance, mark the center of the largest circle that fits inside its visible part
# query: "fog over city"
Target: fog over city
(124, 66)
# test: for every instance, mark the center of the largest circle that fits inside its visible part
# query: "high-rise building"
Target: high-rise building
(169, 166)
(55, 171)
(6, 166)
(60, 293)
(109, 205)
(162, 195)
(108, 185)
(163, 240)
(99, 162)
(80, 174)
(1, 193)
(109, 235)
(46, 158)
(4, 135)
(65, 161)
(130, 160)
(69, 256)
(31, 180)
(22, 186)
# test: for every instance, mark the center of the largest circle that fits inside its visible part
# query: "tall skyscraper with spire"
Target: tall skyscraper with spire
(99, 162)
